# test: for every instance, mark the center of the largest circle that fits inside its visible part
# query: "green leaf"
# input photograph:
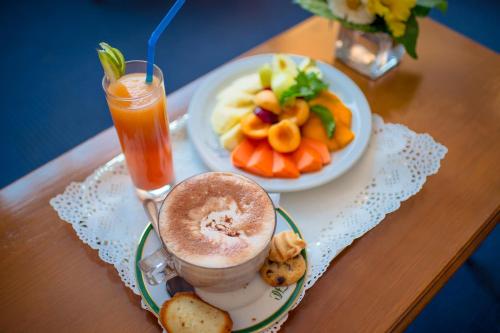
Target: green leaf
(360, 27)
(317, 7)
(421, 11)
(289, 95)
(409, 39)
(326, 118)
(307, 85)
(442, 5)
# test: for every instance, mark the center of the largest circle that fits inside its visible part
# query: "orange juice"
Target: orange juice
(139, 112)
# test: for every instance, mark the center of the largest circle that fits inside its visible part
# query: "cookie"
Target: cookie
(187, 313)
(283, 274)
(285, 245)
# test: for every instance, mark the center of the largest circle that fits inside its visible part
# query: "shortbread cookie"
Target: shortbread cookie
(283, 274)
(285, 245)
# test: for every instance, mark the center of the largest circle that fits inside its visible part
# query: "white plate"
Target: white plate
(217, 158)
(252, 308)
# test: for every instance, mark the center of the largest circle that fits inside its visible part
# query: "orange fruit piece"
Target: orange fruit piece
(261, 161)
(329, 100)
(119, 90)
(284, 166)
(343, 136)
(284, 136)
(253, 127)
(314, 129)
(307, 159)
(320, 147)
(298, 112)
(242, 153)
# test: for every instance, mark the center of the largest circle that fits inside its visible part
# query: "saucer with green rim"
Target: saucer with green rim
(252, 308)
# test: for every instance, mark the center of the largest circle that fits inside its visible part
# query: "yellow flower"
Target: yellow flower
(394, 12)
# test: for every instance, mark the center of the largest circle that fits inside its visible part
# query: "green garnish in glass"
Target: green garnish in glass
(112, 61)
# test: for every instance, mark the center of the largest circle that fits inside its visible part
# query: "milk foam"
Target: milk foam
(217, 220)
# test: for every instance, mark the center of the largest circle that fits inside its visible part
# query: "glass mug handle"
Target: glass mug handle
(275, 198)
(158, 266)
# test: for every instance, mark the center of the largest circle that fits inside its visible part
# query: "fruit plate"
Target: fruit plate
(252, 308)
(206, 141)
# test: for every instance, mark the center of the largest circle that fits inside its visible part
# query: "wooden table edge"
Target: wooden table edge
(432, 289)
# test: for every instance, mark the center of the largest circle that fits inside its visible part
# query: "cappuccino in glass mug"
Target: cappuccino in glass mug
(217, 227)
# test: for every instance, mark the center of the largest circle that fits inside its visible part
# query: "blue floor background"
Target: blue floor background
(52, 99)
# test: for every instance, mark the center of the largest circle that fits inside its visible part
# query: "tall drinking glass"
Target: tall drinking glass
(139, 113)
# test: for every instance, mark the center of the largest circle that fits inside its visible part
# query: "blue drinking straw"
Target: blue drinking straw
(156, 34)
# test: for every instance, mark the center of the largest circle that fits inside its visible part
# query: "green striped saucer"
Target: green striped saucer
(252, 308)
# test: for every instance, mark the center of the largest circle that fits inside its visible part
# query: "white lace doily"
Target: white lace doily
(107, 215)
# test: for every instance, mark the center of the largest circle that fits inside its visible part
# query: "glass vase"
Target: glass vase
(371, 54)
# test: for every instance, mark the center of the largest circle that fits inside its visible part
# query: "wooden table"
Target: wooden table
(50, 281)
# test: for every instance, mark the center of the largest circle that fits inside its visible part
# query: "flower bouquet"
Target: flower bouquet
(381, 21)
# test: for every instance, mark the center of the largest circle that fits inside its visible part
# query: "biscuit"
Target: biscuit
(285, 245)
(283, 274)
(187, 313)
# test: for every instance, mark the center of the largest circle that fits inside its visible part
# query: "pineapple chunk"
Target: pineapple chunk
(225, 117)
(232, 138)
(248, 83)
(238, 99)
(282, 63)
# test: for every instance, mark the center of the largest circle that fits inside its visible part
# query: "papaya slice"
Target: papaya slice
(320, 147)
(284, 166)
(261, 161)
(242, 153)
(343, 136)
(307, 159)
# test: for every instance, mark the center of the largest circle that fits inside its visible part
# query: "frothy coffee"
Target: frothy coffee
(217, 220)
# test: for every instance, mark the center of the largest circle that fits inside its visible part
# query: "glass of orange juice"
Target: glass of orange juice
(139, 112)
